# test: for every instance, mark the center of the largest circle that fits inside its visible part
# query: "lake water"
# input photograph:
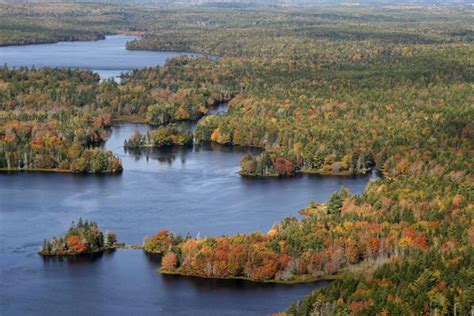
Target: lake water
(108, 57)
(194, 190)
(188, 190)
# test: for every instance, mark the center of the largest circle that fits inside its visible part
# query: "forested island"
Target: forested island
(83, 237)
(165, 136)
(330, 91)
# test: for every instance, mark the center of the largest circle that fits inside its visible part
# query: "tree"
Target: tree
(335, 203)
(110, 238)
(75, 244)
(169, 261)
(283, 167)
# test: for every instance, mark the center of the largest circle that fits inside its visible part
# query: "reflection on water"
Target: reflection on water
(153, 258)
(78, 259)
(205, 284)
(188, 190)
(192, 190)
(169, 154)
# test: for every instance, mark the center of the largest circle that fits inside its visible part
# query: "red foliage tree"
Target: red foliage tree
(283, 167)
(169, 261)
(75, 244)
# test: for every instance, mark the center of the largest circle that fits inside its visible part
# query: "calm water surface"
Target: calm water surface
(108, 57)
(193, 190)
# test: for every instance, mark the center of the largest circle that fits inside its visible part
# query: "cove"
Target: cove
(187, 190)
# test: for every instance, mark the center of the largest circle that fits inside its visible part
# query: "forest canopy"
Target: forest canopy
(338, 91)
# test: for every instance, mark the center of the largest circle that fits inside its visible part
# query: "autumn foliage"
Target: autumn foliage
(328, 91)
(83, 237)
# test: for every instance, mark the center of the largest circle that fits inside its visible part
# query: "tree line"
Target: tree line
(327, 91)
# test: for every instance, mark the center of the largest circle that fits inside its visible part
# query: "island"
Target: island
(320, 90)
(83, 237)
(164, 136)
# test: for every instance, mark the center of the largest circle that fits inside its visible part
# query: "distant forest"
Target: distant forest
(244, 3)
(324, 90)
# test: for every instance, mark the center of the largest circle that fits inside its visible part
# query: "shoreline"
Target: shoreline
(308, 172)
(100, 37)
(54, 170)
(53, 41)
(299, 279)
(114, 247)
(353, 270)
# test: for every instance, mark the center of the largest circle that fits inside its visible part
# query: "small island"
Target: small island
(165, 136)
(83, 237)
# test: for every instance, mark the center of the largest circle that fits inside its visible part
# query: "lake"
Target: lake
(187, 190)
(108, 57)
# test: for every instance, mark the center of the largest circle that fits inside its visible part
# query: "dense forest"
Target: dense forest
(47, 122)
(165, 136)
(53, 119)
(322, 90)
(81, 238)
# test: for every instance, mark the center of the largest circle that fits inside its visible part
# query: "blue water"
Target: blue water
(194, 190)
(108, 57)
